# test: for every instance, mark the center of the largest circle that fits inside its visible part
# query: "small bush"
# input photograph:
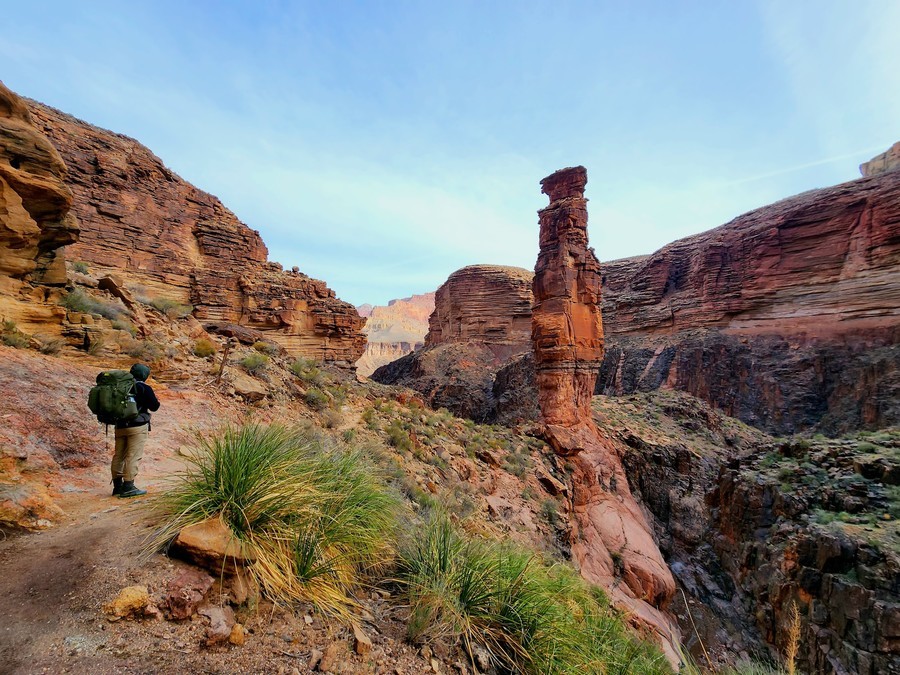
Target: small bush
(398, 436)
(11, 336)
(80, 267)
(331, 418)
(307, 371)
(51, 346)
(316, 399)
(204, 348)
(266, 348)
(254, 363)
(151, 352)
(79, 301)
(123, 324)
(171, 308)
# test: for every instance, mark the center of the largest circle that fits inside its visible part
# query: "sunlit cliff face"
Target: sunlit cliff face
(34, 200)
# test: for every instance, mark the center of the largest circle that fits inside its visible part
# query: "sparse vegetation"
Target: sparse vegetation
(307, 371)
(124, 324)
(80, 267)
(268, 348)
(171, 308)
(254, 363)
(316, 399)
(11, 336)
(79, 301)
(204, 348)
(96, 344)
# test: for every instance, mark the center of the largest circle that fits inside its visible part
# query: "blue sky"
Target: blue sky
(382, 145)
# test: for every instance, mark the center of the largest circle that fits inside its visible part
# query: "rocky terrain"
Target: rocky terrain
(166, 240)
(393, 331)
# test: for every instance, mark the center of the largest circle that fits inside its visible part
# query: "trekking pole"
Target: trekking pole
(224, 359)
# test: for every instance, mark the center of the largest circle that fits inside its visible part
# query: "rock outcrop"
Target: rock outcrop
(35, 222)
(167, 239)
(787, 318)
(611, 539)
(394, 331)
(486, 304)
(889, 160)
(481, 320)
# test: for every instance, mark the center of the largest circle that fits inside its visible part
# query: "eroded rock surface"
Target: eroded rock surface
(611, 539)
(35, 222)
(167, 239)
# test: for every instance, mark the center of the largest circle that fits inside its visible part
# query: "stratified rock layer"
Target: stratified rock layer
(888, 160)
(394, 331)
(487, 304)
(611, 539)
(34, 215)
(159, 232)
(788, 317)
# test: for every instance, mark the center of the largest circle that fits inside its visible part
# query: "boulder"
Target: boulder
(132, 601)
(211, 544)
(185, 593)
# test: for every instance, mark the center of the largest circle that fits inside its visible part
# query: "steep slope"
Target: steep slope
(394, 330)
(170, 240)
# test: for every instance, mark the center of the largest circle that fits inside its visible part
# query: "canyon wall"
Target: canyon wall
(393, 331)
(35, 218)
(788, 317)
(167, 239)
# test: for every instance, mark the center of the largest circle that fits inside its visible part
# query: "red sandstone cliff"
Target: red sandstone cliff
(147, 225)
(788, 317)
(35, 221)
(394, 331)
(611, 539)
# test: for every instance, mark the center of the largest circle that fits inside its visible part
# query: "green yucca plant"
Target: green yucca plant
(530, 617)
(317, 520)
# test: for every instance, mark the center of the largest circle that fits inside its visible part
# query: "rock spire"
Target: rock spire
(611, 539)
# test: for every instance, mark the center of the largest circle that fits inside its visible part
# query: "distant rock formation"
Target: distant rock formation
(481, 318)
(35, 218)
(487, 304)
(611, 539)
(787, 318)
(394, 331)
(889, 160)
(159, 233)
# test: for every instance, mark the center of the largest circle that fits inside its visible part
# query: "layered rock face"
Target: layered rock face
(169, 239)
(487, 304)
(35, 221)
(481, 319)
(394, 331)
(886, 161)
(787, 317)
(611, 539)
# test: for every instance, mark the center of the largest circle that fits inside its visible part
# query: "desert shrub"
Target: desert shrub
(171, 308)
(529, 617)
(80, 267)
(865, 446)
(79, 301)
(268, 348)
(254, 363)
(307, 371)
(204, 348)
(348, 435)
(51, 346)
(317, 520)
(370, 419)
(11, 336)
(331, 418)
(550, 512)
(124, 324)
(398, 437)
(146, 350)
(316, 399)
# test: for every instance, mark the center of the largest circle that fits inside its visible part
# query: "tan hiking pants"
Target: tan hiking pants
(129, 450)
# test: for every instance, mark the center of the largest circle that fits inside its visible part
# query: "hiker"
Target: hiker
(131, 436)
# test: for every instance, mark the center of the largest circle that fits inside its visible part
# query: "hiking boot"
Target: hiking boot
(117, 485)
(129, 490)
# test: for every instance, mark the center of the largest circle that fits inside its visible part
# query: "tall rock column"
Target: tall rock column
(611, 540)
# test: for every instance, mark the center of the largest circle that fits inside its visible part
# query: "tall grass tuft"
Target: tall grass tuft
(318, 520)
(530, 617)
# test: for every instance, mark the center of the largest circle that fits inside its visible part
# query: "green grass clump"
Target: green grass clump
(398, 436)
(204, 348)
(267, 348)
(79, 301)
(307, 371)
(316, 399)
(530, 617)
(171, 308)
(254, 363)
(317, 520)
(126, 325)
(80, 267)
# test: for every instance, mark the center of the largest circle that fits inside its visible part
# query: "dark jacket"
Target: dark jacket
(146, 402)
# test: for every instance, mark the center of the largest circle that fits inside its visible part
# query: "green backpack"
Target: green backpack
(112, 400)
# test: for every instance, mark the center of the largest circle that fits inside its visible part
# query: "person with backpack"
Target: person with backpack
(131, 435)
